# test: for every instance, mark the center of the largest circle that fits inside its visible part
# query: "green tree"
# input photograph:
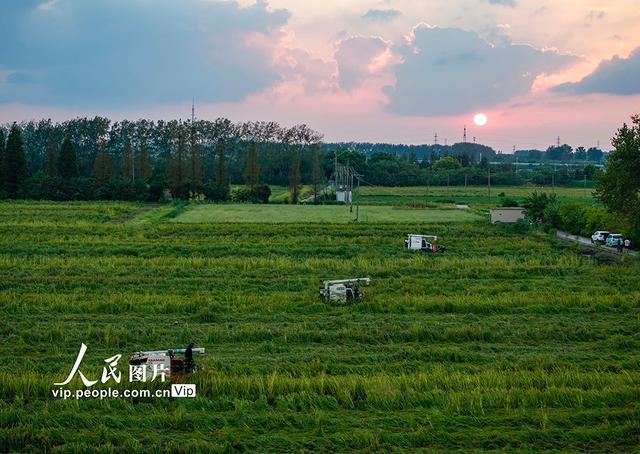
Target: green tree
(103, 167)
(315, 171)
(67, 163)
(536, 204)
(590, 171)
(618, 187)
(127, 162)
(446, 163)
(195, 169)
(221, 178)
(15, 163)
(144, 164)
(294, 176)
(251, 171)
(51, 156)
(2, 161)
(176, 170)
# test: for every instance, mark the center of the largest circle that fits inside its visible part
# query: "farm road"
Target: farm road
(587, 242)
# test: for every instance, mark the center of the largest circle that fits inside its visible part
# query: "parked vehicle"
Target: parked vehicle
(600, 236)
(613, 239)
(424, 243)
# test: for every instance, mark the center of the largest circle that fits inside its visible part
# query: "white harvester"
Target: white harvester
(166, 360)
(342, 291)
(424, 243)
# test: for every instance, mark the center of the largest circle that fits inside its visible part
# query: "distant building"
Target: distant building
(343, 195)
(507, 215)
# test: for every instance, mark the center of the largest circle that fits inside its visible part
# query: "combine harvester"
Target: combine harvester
(166, 358)
(424, 243)
(343, 291)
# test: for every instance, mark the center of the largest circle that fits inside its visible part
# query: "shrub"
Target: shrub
(536, 205)
(257, 194)
(216, 192)
(507, 202)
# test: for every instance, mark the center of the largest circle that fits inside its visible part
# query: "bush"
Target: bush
(258, 194)
(536, 205)
(43, 187)
(216, 192)
(510, 202)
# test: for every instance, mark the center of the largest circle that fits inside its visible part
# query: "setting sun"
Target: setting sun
(480, 119)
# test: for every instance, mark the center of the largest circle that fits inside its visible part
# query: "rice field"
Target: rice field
(326, 214)
(508, 341)
(474, 196)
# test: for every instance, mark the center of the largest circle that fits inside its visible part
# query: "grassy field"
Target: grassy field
(475, 196)
(334, 214)
(507, 341)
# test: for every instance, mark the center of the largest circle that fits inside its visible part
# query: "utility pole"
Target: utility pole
(558, 141)
(435, 139)
(474, 139)
(464, 135)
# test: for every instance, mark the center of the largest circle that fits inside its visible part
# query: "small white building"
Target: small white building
(343, 195)
(507, 215)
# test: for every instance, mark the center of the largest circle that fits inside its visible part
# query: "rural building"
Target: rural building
(507, 215)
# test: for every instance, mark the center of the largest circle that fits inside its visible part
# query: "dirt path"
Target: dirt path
(587, 242)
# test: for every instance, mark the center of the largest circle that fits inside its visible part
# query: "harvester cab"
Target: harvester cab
(167, 360)
(343, 291)
(424, 243)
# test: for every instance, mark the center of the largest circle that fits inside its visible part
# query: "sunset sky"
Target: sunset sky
(383, 71)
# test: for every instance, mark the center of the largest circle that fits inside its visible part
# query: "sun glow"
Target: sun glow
(480, 119)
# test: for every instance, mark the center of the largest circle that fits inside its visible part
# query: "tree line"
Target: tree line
(145, 160)
(95, 158)
(561, 154)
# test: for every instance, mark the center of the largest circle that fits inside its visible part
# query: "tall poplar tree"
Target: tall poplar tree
(144, 164)
(176, 171)
(127, 163)
(252, 170)
(2, 160)
(315, 172)
(103, 167)
(222, 180)
(67, 162)
(294, 176)
(15, 163)
(51, 156)
(195, 170)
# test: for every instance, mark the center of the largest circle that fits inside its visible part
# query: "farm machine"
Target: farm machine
(424, 243)
(166, 360)
(343, 291)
